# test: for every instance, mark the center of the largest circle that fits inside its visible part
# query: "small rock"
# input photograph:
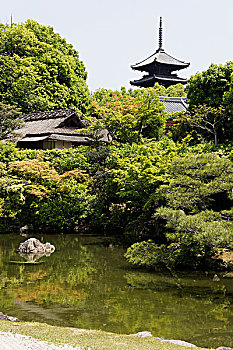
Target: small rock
(223, 348)
(24, 228)
(33, 245)
(7, 318)
(23, 231)
(143, 334)
(180, 342)
(216, 278)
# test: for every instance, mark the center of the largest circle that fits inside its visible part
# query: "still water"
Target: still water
(87, 283)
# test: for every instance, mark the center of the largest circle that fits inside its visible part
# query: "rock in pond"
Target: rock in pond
(7, 318)
(33, 245)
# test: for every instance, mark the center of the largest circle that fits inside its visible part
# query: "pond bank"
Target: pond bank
(82, 339)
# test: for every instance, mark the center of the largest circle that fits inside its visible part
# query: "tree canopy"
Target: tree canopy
(39, 70)
(9, 120)
(210, 113)
(210, 86)
(127, 115)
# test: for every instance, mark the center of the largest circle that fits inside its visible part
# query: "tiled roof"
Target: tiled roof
(63, 113)
(174, 104)
(160, 56)
(54, 126)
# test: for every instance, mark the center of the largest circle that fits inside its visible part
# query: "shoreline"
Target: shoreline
(93, 339)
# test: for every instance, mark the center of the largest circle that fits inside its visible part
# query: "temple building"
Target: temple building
(55, 129)
(159, 67)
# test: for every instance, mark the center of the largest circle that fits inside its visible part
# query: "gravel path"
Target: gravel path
(10, 341)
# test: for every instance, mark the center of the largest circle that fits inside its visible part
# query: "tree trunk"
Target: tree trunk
(215, 139)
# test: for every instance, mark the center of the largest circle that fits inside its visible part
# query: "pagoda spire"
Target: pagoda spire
(160, 34)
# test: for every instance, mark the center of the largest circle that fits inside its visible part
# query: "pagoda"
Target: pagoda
(159, 67)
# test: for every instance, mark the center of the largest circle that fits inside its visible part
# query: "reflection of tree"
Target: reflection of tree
(59, 280)
(44, 292)
(177, 303)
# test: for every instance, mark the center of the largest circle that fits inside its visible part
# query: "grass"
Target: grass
(87, 339)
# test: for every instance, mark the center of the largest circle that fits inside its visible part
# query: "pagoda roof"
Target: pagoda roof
(150, 80)
(161, 57)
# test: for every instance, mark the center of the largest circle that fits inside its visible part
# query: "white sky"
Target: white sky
(112, 35)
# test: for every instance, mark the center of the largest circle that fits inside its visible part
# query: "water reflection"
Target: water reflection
(87, 284)
(34, 257)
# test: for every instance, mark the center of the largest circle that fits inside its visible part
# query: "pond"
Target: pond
(86, 283)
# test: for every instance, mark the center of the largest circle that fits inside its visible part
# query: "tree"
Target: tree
(213, 88)
(33, 192)
(126, 184)
(176, 90)
(128, 118)
(199, 203)
(39, 70)
(210, 86)
(209, 120)
(197, 213)
(200, 182)
(9, 120)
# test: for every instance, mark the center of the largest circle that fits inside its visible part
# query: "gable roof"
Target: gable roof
(55, 125)
(51, 122)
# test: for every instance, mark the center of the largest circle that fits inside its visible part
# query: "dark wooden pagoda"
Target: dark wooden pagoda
(159, 67)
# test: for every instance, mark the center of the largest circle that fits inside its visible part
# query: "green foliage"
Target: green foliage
(200, 182)
(128, 116)
(65, 159)
(204, 123)
(146, 254)
(179, 127)
(33, 192)
(205, 230)
(8, 120)
(176, 194)
(127, 180)
(39, 70)
(150, 255)
(197, 218)
(212, 89)
(210, 121)
(191, 239)
(176, 90)
(8, 152)
(139, 169)
(210, 86)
